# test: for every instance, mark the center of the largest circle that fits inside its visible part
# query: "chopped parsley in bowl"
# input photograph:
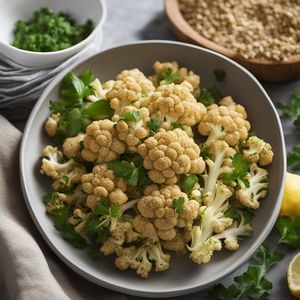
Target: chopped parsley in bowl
(48, 32)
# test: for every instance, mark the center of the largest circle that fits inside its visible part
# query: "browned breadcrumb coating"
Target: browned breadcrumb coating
(103, 183)
(169, 154)
(101, 143)
(226, 121)
(174, 103)
(157, 204)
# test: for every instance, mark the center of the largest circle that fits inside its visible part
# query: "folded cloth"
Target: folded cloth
(21, 86)
(29, 269)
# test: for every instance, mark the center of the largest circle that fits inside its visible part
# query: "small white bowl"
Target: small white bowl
(14, 10)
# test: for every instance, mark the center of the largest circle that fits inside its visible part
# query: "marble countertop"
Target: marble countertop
(133, 20)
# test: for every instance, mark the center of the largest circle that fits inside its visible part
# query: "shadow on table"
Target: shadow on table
(157, 29)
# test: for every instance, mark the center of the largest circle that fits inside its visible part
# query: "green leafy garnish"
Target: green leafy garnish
(204, 151)
(178, 125)
(178, 205)
(291, 110)
(187, 182)
(240, 171)
(98, 110)
(219, 74)
(289, 229)
(293, 158)
(253, 283)
(209, 96)
(168, 77)
(60, 217)
(154, 125)
(131, 117)
(73, 237)
(131, 170)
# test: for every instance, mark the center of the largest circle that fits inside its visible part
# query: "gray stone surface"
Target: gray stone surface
(133, 20)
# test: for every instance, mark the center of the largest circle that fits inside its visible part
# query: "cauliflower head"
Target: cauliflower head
(72, 146)
(103, 183)
(51, 124)
(128, 89)
(65, 174)
(132, 127)
(257, 189)
(258, 151)
(225, 122)
(174, 103)
(169, 154)
(158, 205)
(101, 143)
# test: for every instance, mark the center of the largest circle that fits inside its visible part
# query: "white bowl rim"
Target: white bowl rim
(90, 37)
(123, 289)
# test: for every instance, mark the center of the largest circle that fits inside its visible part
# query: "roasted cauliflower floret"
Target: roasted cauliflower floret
(257, 189)
(177, 244)
(132, 127)
(144, 227)
(103, 183)
(71, 146)
(65, 174)
(128, 89)
(51, 124)
(158, 205)
(174, 103)
(203, 243)
(258, 151)
(139, 259)
(183, 73)
(101, 143)
(217, 165)
(169, 154)
(226, 123)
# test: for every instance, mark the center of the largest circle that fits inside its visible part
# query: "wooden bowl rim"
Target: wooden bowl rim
(176, 18)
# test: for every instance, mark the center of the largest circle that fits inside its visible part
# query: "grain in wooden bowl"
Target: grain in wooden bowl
(270, 53)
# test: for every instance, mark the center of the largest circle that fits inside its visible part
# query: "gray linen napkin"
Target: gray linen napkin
(29, 269)
(21, 86)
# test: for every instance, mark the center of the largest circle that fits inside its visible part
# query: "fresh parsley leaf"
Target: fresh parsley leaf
(133, 172)
(115, 210)
(240, 171)
(94, 226)
(209, 96)
(102, 207)
(293, 158)
(168, 77)
(98, 110)
(52, 198)
(94, 252)
(252, 284)
(178, 125)
(204, 151)
(131, 117)
(251, 133)
(86, 77)
(187, 182)
(289, 229)
(220, 74)
(290, 110)
(73, 237)
(60, 217)
(178, 205)
(154, 125)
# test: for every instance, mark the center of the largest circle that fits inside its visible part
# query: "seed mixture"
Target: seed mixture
(254, 29)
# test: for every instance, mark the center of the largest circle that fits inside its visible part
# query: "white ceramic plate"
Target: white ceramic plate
(183, 277)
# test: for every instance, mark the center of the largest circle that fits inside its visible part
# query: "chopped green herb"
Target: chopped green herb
(291, 110)
(60, 217)
(219, 74)
(178, 125)
(47, 31)
(131, 117)
(240, 171)
(73, 237)
(98, 110)
(178, 205)
(168, 77)
(153, 125)
(289, 229)
(293, 159)
(209, 96)
(204, 151)
(187, 182)
(253, 283)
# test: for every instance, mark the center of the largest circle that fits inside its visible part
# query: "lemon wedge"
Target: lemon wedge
(290, 205)
(293, 276)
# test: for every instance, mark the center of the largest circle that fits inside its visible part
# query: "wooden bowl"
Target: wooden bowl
(263, 69)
